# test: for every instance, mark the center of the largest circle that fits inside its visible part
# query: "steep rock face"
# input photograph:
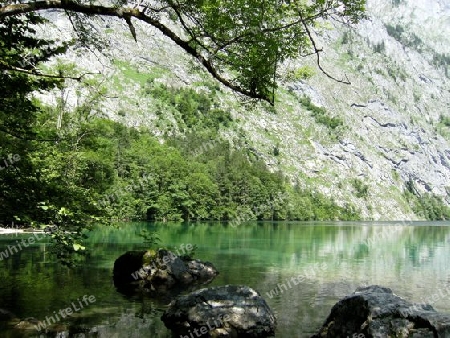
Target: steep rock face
(391, 134)
(391, 111)
(428, 19)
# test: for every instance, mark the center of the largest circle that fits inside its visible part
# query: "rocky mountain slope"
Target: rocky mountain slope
(363, 143)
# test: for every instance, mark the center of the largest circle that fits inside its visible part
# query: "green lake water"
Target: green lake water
(332, 259)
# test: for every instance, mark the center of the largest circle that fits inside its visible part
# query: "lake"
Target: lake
(332, 259)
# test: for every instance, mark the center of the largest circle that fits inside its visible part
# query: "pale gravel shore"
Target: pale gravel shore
(10, 231)
(6, 231)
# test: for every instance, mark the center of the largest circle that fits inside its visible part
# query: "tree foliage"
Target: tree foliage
(426, 205)
(165, 182)
(29, 189)
(18, 113)
(240, 42)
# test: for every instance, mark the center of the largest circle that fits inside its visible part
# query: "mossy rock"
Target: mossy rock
(148, 257)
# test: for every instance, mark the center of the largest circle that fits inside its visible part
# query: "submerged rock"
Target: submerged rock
(223, 311)
(374, 311)
(6, 315)
(159, 271)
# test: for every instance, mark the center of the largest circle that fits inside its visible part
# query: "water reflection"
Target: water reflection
(412, 259)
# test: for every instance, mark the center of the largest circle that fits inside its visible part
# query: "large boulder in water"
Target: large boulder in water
(159, 271)
(223, 311)
(375, 311)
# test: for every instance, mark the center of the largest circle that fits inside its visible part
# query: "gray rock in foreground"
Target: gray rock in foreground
(224, 311)
(374, 311)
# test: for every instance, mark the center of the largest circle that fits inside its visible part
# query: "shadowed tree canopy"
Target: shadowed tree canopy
(239, 42)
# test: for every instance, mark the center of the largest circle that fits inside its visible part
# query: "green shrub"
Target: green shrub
(379, 47)
(362, 190)
(320, 114)
(428, 206)
(305, 205)
(431, 207)
(445, 120)
(304, 73)
(196, 109)
(407, 39)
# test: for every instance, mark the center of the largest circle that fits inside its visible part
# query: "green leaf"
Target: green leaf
(77, 247)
